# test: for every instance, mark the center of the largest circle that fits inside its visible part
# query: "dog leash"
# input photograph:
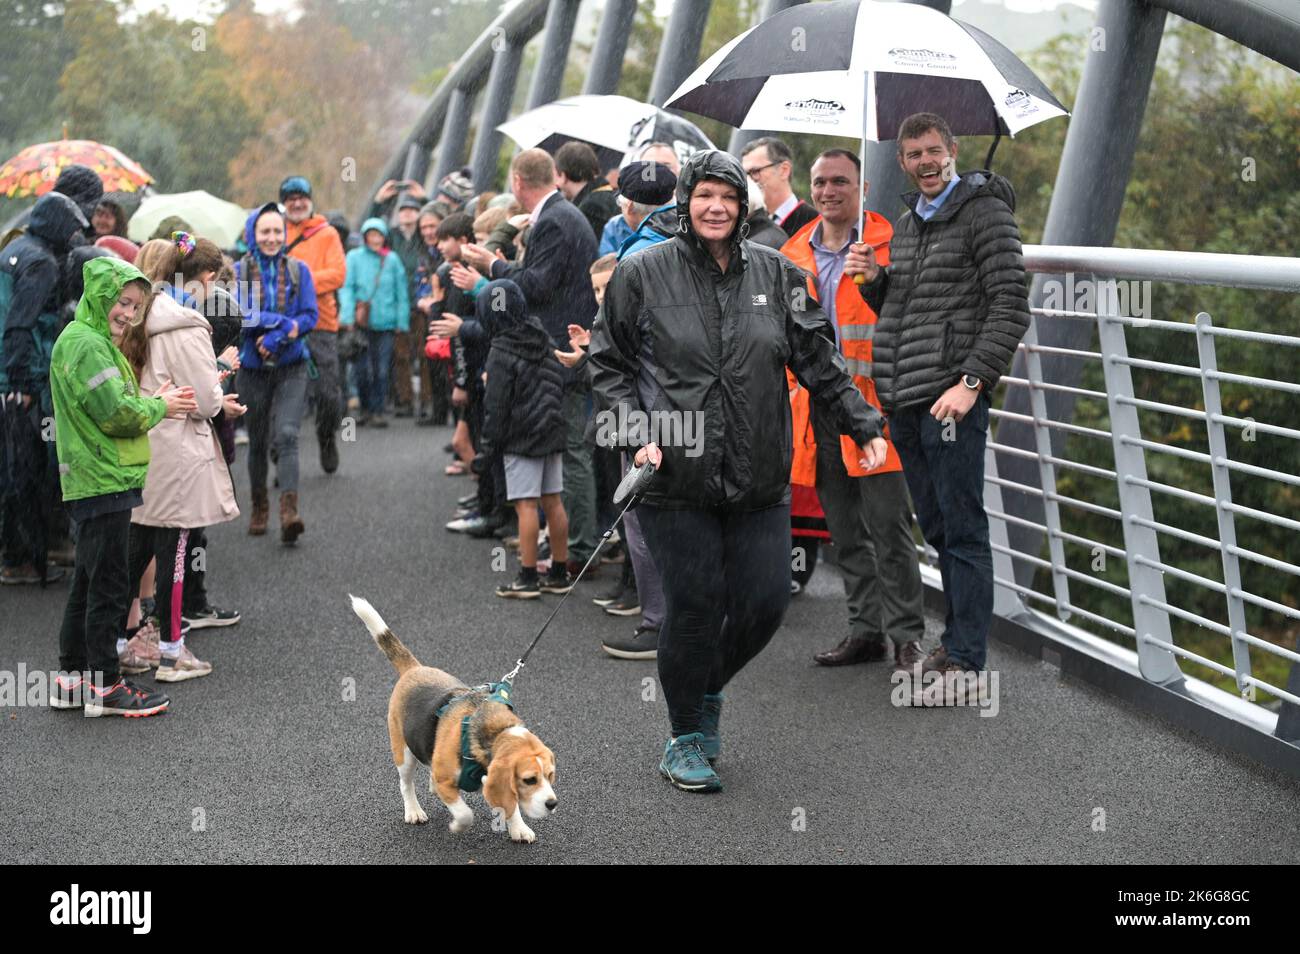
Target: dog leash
(635, 483)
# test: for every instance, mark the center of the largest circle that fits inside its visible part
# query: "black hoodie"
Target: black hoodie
(523, 409)
(31, 264)
(678, 335)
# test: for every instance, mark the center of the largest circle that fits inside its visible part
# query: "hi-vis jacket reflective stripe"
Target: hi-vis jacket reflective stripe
(857, 325)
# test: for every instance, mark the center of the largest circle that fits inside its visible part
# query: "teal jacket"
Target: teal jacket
(390, 305)
(101, 420)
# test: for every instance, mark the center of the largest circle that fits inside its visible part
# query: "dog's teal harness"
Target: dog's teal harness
(472, 771)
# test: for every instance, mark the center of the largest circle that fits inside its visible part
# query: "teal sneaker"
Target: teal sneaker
(710, 716)
(686, 767)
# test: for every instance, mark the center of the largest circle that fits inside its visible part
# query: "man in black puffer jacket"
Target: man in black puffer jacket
(523, 420)
(953, 305)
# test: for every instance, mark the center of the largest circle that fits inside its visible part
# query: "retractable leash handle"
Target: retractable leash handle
(635, 483)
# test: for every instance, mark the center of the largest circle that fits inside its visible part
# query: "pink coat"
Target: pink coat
(188, 484)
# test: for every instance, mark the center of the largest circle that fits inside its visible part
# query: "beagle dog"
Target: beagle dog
(520, 769)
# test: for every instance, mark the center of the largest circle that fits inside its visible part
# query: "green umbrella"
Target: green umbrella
(209, 217)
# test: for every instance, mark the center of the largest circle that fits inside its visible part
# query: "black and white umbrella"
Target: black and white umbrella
(612, 125)
(858, 68)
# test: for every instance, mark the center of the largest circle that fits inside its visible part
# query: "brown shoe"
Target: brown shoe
(261, 513)
(854, 649)
(937, 659)
(291, 526)
(908, 655)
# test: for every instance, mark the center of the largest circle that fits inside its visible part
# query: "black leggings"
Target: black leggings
(726, 580)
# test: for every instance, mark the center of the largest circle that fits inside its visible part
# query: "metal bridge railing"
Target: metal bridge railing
(1102, 481)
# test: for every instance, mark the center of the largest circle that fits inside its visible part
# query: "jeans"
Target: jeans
(95, 614)
(373, 369)
(870, 520)
(280, 393)
(579, 477)
(324, 391)
(944, 467)
(726, 580)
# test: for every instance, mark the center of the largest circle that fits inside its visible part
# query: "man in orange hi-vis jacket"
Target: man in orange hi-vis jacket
(868, 513)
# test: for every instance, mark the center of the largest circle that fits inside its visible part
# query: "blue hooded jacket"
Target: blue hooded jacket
(262, 318)
(379, 278)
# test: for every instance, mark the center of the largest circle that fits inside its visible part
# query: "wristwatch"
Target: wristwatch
(972, 382)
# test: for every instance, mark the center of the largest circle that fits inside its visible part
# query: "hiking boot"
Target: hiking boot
(123, 699)
(378, 420)
(291, 526)
(261, 513)
(142, 652)
(211, 616)
(908, 655)
(686, 767)
(557, 580)
(329, 455)
(524, 587)
(485, 528)
(642, 644)
(937, 659)
(710, 719)
(182, 667)
(852, 650)
(14, 575)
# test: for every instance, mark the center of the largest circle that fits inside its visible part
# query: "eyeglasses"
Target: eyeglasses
(753, 173)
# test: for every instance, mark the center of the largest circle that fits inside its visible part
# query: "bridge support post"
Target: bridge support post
(611, 46)
(455, 130)
(680, 52)
(496, 107)
(558, 35)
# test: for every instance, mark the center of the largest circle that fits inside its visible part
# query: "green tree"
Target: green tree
(159, 90)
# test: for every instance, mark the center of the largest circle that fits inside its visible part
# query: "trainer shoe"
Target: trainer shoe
(68, 691)
(686, 767)
(462, 524)
(12, 575)
(610, 596)
(629, 604)
(182, 667)
(523, 588)
(642, 644)
(557, 580)
(469, 500)
(142, 652)
(710, 718)
(211, 616)
(123, 699)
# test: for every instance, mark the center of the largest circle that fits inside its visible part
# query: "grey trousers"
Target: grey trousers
(870, 519)
(279, 394)
(649, 588)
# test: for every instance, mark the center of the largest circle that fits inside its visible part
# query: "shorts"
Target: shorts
(528, 477)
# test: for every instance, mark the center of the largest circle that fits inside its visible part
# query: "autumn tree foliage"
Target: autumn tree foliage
(322, 101)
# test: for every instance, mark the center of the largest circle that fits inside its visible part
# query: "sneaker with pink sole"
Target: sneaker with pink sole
(142, 652)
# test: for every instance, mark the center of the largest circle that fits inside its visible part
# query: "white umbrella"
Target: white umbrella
(208, 216)
(612, 125)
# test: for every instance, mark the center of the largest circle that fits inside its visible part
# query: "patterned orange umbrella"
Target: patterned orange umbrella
(33, 171)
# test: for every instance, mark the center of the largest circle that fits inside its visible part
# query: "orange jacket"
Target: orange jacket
(322, 251)
(857, 323)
